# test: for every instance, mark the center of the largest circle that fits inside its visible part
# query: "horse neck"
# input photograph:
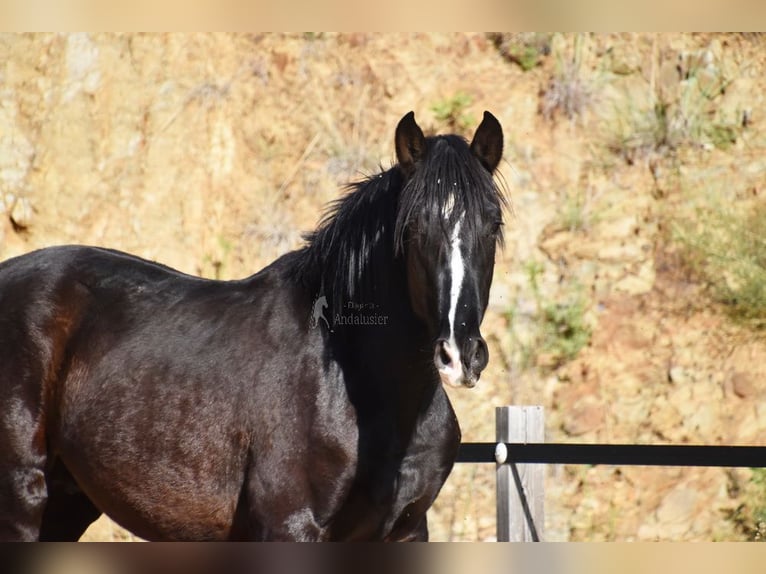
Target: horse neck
(392, 361)
(400, 331)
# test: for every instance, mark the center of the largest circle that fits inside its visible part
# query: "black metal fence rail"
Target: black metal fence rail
(618, 454)
(520, 451)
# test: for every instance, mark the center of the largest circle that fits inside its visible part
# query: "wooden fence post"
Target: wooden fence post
(520, 487)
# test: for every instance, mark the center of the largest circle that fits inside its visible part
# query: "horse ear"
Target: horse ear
(487, 142)
(410, 143)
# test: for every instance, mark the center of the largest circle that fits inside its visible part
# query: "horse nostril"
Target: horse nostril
(478, 355)
(443, 358)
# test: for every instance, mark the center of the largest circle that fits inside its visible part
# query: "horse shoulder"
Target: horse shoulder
(307, 435)
(429, 459)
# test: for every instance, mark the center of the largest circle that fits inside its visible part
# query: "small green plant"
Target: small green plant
(558, 330)
(749, 518)
(573, 217)
(564, 331)
(726, 248)
(526, 50)
(576, 213)
(453, 112)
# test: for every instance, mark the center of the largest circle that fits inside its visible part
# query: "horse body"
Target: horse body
(191, 409)
(293, 418)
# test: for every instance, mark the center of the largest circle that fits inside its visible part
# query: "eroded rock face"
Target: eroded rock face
(211, 153)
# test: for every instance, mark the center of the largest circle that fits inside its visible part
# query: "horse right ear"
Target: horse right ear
(410, 143)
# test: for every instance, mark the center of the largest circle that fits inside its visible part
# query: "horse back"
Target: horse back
(157, 389)
(49, 295)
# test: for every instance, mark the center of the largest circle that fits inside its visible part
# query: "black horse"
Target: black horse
(302, 403)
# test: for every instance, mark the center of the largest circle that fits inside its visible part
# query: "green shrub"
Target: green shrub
(749, 518)
(687, 114)
(526, 50)
(557, 331)
(453, 112)
(726, 247)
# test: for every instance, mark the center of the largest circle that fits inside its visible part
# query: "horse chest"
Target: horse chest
(396, 480)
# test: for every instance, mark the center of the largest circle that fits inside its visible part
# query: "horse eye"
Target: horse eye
(496, 226)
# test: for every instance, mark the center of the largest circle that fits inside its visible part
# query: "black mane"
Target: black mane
(348, 255)
(345, 255)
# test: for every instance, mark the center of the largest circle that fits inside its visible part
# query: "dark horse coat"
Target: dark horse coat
(302, 403)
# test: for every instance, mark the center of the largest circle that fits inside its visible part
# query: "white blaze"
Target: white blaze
(449, 205)
(452, 374)
(456, 277)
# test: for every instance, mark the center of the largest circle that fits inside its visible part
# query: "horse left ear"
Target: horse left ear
(487, 142)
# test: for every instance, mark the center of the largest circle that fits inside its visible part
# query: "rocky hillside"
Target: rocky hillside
(629, 299)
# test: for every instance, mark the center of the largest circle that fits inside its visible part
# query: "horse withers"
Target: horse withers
(302, 403)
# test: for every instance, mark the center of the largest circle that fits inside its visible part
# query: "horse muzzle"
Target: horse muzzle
(460, 369)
